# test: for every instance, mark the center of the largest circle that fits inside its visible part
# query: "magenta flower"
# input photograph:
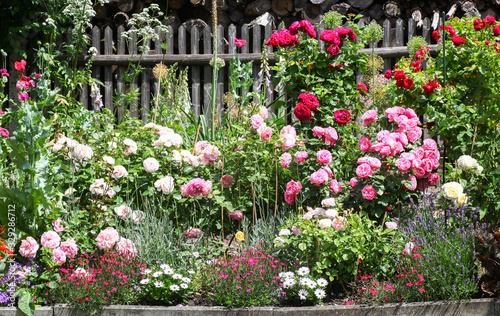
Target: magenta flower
(239, 42)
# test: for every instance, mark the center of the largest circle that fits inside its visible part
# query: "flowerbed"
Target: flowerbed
(256, 210)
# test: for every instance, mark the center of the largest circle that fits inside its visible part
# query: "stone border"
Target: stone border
(476, 307)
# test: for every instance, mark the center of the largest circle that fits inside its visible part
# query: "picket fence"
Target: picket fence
(193, 48)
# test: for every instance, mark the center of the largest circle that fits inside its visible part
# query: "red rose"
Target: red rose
(399, 75)
(435, 35)
(388, 74)
(496, 30)
(457, 40)
(302, 112)
(428, 89)
(342, 116)
(310, 100)
(489, 20)
(408, 83)
(363, 90)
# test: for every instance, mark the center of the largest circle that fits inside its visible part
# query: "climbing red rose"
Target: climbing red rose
(342, 116)
(302, 112)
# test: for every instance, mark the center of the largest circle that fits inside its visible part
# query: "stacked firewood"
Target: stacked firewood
(239, 12)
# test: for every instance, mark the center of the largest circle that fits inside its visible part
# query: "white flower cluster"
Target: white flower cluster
(468, 163)
(166, 277)
(308, 288)
(81, 13)
(144, 24)
(73, 148)
(455, 192)
(101, 187)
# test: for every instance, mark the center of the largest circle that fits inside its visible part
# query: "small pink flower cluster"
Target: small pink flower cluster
(328, 218)
(168, 137)
(283, 38)
(303, 26)
(109, 238)
(265, 132)
(192, 232)
(329, 134)
(196, 187)
(208, 154)
(24, 83)
(292, 189)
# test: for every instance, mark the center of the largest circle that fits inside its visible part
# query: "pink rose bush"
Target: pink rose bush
(196, 187)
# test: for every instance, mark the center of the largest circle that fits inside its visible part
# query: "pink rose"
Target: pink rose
(256, 121)
(296, 230)
(207, 187)
(429, 144)
(307, 216)
(288, 142)
(413, 184)
(285, 160)
(324, 156)
(403, 164)
(330, 202)
(409, 156)
(382, 135)
(151, 165)
(319, 177)
(192, 233)
(364, 144)
(391, 225)
(126, 248)
(122, 211)
(58, 256)
(293, 187)
(369, 192)
(370, 116)
(339, 224)
(57, 226)
(4, 132)
(236, 215)
(318, 131)
(107, 238)
(226, 181)
(69, 247)
(184, 191)
(335, 186)
(119, 172)
(402, 121)
(200, 147)
(301, 156)
(50, 239)
(328, 171)
(263, 112)
(391, 114)
(197, 186)
(290, 198)
(402, 139)
(265, 132)
(374, 163)
(211, 153)
(419, 153)
(364, 171)
(331, 136)
(28, 247)
(427, 165)
(414, 134)
(353, 182)
(410, 113)
(433, 179)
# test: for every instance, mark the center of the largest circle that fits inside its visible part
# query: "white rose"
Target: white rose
(479, 169)
(119, 172)
(130, 143)
(113, 145)
(131, 150)
(69, 192)
(452, 190)
(284, 232)
(137, 216)
(165, 184)
(279, 241)
(150, 125)
(177, 157)
(176, 140)
(466, 162)
(71, 143)
(151, 165)
(109, 160)
(325, 223)
(328, 202)
(331, 213)
(62, 140)
(83, 152)
(122, 211)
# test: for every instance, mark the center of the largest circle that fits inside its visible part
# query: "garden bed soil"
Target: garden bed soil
(476, 307)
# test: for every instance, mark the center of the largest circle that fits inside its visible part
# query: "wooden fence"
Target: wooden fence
(193, 48)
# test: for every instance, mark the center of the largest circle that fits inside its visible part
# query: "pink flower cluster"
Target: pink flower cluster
(303, 26)
(285, 160)
(329, 134)
(109, 238)
(192, 232)
(257, 120)
(422, 162)
(196, 187)
(283, 38)
(366, 166)
(321, 176)
(292, 189)
(328, 218)
(208, 154)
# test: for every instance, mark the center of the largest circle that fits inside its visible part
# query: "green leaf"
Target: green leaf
(26, 304)
(302, 246)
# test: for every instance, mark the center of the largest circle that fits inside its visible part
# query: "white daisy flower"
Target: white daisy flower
(168, 271)
(186, 280)
(288, 283)
(184, 285)
(322, 282)
(303, 271)
(191, 272)
(164, 266)
(302, 294)
(146, 271)
(311, 284)
(159, 284)
(174, 287)
(145, 281)
(304, 281)
(157, 274)
(320, 293)
(196, 254)
(177, 276)
(290, 275)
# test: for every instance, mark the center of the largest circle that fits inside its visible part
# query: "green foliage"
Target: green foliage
(332, 20)
(353, 243)
(415, 44)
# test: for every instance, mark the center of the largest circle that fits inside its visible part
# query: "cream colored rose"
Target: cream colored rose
(165, 184)
(83, 152)
(462, 199)
(325, 223)
(452, 190)
(109, 160)
(119, 172)
(466, 162)
(151, 165)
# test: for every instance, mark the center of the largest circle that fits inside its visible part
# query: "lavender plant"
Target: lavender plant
(446, 237)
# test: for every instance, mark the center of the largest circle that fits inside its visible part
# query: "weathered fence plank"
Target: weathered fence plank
(96, 70)
(120, 71)
(195, 73)
(108, 70)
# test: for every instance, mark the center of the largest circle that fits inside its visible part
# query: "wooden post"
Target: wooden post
(96, 43)
(108, 70)
(120, 47)
(195, 73)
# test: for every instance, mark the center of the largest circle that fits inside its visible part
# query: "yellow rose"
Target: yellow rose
(453, 190)
(461, 199)
(240, 236)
